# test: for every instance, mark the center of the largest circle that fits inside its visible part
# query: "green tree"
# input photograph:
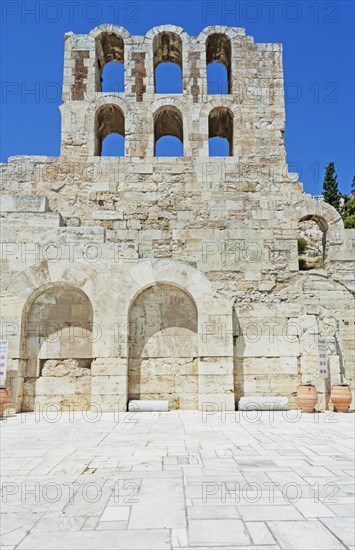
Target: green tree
(348, 212)
(330, 187)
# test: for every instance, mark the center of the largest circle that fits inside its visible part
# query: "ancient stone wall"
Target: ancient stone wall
(175, 278)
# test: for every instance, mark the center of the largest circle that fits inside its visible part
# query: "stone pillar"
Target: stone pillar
(109, 384)
(216, 383)
(139, 73)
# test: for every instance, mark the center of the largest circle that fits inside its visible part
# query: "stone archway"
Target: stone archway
(163, 347)
(58, 349)
(214, 333)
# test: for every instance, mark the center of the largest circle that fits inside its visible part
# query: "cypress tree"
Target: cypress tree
(330, 187)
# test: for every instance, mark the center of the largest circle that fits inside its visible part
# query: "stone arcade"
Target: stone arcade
(144, 277)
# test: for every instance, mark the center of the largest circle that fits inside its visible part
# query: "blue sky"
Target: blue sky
(318, 55)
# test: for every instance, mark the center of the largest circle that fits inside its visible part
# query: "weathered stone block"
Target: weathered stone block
(215, 383)
(216, 366)
(54, 385)
(109, 366)
(23, 203)
(108, 385)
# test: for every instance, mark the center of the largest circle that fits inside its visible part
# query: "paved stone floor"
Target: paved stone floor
(178, 480)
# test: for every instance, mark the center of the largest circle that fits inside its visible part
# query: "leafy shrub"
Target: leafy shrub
(301, 244)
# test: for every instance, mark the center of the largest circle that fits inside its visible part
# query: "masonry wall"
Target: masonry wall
(218, 235)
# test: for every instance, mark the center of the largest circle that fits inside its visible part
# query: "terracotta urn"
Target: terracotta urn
(307, 397)
(341, 397)
(4, 399)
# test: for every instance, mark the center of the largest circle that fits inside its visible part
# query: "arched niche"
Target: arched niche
(163, 346)
(58, 348)
(311, 242)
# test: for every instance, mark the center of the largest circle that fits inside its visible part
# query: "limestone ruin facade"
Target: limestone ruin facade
(145, 277)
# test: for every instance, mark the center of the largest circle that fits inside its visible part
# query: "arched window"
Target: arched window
(109, 120)
(167, 54)
(218, 61)
(110, 63)
(113, 77)
(168, 131)
(220, 132)
(311, 240)
(113, 146)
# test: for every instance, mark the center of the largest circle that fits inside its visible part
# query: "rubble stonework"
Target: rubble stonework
(144, 277)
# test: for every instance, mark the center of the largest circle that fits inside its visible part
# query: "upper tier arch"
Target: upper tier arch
(114, 29)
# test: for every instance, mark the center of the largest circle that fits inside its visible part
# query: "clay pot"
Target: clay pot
(341, 397)
(307, 397)
(4, 400)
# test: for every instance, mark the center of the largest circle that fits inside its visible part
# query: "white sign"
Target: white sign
(3, 360)
(322, 360)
